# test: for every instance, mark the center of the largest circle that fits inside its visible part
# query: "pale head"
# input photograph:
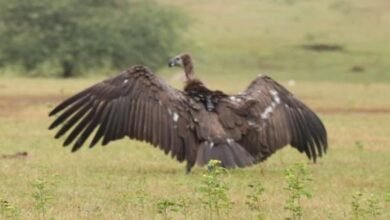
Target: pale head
(180, 60)
(183, 60)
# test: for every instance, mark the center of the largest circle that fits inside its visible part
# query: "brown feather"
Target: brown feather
(65, 115)
(195, 125)
(80, 126)
(74, 119)
(69, 101)
(91, 127)
(108, 132)
(288, 121)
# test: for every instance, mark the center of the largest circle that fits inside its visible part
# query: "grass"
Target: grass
(232, 42)
(105, 182)
(231, 38)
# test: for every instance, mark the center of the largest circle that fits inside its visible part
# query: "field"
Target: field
(232, 42)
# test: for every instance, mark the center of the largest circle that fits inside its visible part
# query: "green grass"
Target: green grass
(232, 42)
(231, 38)
(103, 182)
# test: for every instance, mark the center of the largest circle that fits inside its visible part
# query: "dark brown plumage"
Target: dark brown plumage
(195, 125)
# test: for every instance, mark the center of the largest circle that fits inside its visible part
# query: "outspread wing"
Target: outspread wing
(135, 103)
(269, 117)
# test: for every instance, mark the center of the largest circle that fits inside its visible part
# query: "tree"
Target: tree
(74, 35)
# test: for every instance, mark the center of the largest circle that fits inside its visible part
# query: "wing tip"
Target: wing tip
(75, 148)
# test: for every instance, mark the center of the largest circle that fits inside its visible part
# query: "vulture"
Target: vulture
(194, 125)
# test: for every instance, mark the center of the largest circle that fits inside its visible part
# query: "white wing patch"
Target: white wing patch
(211, 144)
(275, 101)
(175, 117)
(234, 99)
(252, 123)
(267, 112)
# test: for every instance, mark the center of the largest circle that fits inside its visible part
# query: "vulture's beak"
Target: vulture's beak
(176, 61)
(171, 63)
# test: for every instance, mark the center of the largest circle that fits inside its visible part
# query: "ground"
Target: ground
(232, 42)
(105, 182)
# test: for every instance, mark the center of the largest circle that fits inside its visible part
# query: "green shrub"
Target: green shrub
(71, 35)
(214, 191)
(365, 207)
(297, 177)
(253, 199)
(165, 206)
(42, 194)
(8, 211)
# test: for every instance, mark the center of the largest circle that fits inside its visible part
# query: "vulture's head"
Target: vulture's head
(183, 60)
(180, 60)
(176, 61)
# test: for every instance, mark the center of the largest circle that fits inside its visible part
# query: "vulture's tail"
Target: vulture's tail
(231, 154)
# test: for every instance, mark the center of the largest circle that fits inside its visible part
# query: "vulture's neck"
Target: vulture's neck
(188, 67)
(192, 83)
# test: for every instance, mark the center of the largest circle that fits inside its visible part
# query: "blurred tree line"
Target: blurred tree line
(71, 36)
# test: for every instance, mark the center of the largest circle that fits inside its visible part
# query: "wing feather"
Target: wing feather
(135, 103)
(136, 118)
(132, 118)
(126, 115)
(155, 126)
(76, 106)
(103, 124)
(73, 120)
(91, 127)
(76, 98)
(274, 118)
(79, 127)
(109, 129)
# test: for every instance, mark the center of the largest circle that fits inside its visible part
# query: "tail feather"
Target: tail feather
(230, 154)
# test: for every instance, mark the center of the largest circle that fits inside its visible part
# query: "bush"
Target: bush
(297, 176)
(72, 35)
(214, 191)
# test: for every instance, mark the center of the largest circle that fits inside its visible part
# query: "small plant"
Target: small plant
(373, 209)
(359, 145)
(387, 197)
(363, 207)
(8, 211)
(296, 176)
(165, 206)
(387, 201)
(357, 209)
(184, 204)
(213, 190)
(341, 6)
(140, 200)
(3, 207)
(253, 199)
(135, 199)
(42, 195)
